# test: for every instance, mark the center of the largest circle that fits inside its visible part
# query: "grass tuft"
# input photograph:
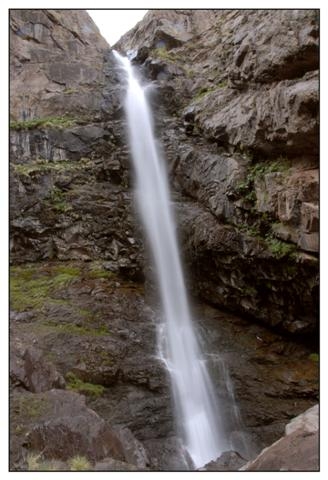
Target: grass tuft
(79, 463)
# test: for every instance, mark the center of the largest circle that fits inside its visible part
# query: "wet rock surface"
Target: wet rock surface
(236, 103)
(98, 332)
(242, 141)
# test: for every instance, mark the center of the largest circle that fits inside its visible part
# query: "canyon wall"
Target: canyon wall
(236, 111)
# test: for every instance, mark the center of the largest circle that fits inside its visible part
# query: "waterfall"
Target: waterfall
(196, 407)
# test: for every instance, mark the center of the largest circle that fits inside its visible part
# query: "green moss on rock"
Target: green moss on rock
(31, 288)
(42, 166)
(77, 385)
(47, 122)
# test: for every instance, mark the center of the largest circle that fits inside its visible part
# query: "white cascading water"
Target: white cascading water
(197, 409)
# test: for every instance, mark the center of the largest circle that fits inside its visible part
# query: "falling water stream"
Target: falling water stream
(197, 410)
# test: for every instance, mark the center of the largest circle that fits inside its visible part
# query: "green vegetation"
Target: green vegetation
(35, 463)
(31, 288)
(278, 248)
(314, 357)
(47, 122)
(249, 291)
(202, 92)
(163, 54)
(77, 385)
(79, 463)
(73, 329)
(32, 406)
(69, 91)
(257, 171)
(67, 269)
(252, 230)
(98, 271)
(44, 166)
(57, 200)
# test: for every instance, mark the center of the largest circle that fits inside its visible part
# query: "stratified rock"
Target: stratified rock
(279, 121)
(68, 50)
(238, 118)
(298, 450)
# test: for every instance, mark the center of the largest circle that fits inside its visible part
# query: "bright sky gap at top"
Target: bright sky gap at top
(114, 23)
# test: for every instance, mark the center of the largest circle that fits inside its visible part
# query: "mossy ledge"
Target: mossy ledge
(77, 385)
(46, 122)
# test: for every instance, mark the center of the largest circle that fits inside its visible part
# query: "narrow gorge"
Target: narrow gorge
(235, 97)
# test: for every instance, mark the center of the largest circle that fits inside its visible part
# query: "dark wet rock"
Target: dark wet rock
(111, 343)
(227, 462)
(236, 110)
(244, 146)
(298, 450)
(266, 291)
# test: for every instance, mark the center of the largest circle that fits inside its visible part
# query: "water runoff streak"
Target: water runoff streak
(195, 403)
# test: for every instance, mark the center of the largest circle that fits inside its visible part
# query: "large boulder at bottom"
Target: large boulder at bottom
(298, 450)
(67, 427)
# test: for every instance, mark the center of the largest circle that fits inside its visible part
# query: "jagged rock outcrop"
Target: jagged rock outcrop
(56, 60)
(69, 163)
(298, 450)
(239, 98)
(236, 111)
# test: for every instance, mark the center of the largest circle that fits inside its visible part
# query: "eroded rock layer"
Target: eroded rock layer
(236, 107)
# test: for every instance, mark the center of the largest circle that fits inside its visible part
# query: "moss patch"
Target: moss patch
(314, 357)
(44, 166)
(56, 199)
(47, 122)
(258, 171)
(32, 407)
(31, 288)
(204, 91)
(97, 271)
(278, 248)
(163, 54)
(73, 329)
(77, 385)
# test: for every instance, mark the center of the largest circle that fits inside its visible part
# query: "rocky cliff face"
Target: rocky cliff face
(240, 96)
(236, 111)
(69, 164)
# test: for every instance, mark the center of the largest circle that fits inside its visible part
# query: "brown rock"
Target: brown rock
(227, 462)
(111, 465)
(55, 41)
(297, 451)
(67, 427)
(28, 368)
